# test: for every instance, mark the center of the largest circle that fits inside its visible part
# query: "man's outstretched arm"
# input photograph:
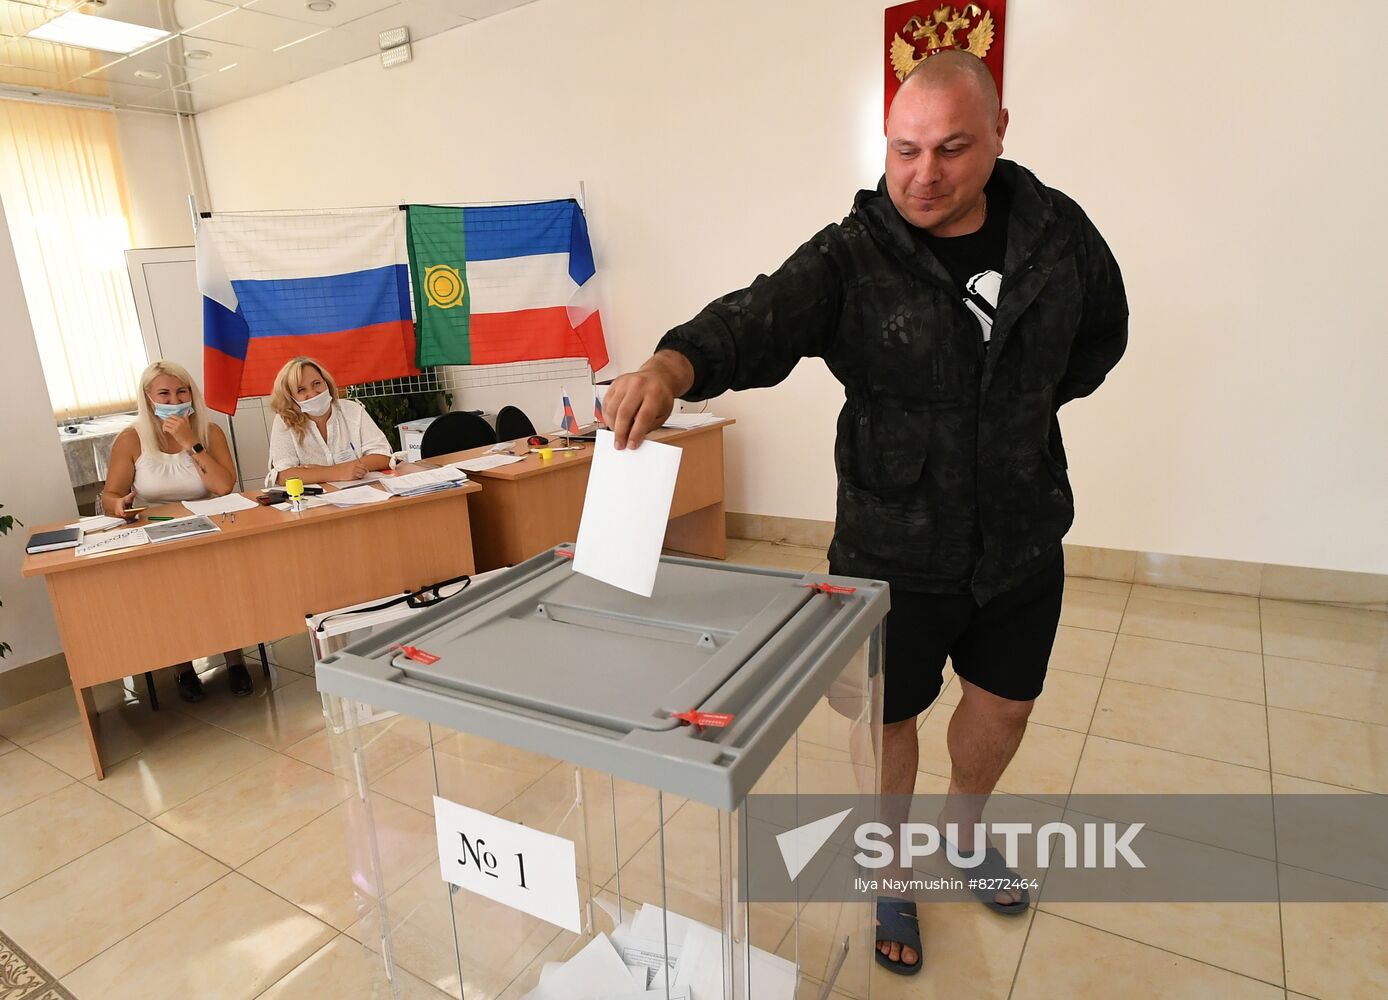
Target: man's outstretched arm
(749, 338)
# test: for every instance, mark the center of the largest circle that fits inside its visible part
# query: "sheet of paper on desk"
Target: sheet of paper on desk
(221, 505)
(355, 498)
(687, 420)
(625, 513)
(486, 462)
(113, 542)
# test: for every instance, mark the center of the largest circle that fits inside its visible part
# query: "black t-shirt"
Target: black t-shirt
(975, 261)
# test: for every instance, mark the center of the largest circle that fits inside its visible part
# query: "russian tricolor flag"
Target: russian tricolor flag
(331, 285)
(502, 283)
(569, 423)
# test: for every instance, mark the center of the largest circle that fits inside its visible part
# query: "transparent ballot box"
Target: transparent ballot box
(558, 785)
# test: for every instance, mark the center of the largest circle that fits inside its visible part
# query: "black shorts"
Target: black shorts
(1003, 646)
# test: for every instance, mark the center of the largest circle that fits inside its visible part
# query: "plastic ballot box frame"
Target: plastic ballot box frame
(545, 699)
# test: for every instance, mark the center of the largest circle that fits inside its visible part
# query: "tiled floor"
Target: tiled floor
(210, 862)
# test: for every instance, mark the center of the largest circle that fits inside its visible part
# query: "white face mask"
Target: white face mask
(316, 406)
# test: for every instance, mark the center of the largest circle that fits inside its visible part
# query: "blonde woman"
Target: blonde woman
(317, 436)
(169, 454)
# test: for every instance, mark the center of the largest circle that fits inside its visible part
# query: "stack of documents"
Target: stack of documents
(486, 462)
(684, 421)
(370, 477)
(631, 964)
(429, 481)
(349, 497)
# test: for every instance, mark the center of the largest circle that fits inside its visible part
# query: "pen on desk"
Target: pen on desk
(157, 517)
(233, 517)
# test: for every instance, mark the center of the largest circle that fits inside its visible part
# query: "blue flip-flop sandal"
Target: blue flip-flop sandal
(994, 867)
(897, 923)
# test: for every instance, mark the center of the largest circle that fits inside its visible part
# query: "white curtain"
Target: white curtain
(64, 195)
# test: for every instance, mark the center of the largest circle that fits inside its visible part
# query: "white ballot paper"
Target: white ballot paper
(595, 971)
(625, 513)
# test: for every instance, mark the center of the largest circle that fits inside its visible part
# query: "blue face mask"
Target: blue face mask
(166, 410)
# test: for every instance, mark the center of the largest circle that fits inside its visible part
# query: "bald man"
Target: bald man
(961, 304)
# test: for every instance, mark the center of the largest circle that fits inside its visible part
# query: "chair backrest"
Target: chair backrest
(512, 424)
(455, 431)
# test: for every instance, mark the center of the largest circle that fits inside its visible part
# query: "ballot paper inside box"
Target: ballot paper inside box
(551, 777)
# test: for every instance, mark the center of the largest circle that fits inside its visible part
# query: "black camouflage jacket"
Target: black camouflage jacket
(951, 472)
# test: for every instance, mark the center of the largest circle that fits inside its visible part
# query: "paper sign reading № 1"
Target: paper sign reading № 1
(520, 867)
(625, 513)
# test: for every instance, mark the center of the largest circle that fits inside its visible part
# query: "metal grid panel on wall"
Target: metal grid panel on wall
(456, 378)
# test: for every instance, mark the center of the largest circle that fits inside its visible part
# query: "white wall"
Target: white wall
(155, 179)
(1239, 186)
(33, 484)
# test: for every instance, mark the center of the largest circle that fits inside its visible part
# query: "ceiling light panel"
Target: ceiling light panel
(104, 34)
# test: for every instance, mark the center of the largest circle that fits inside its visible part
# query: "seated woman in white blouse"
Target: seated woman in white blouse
(318, 437)
(169, 454)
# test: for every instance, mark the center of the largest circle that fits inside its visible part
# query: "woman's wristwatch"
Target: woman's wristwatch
(197, 448)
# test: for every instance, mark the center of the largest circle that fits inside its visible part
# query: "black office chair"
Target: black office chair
(455, 431)
(512, 424)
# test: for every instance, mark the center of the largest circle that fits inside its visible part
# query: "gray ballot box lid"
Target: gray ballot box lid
(544, 659)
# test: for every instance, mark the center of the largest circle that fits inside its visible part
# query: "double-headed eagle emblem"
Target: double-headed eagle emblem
(939, 31)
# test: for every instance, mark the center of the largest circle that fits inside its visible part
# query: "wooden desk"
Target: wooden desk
(532, 505)
(253, 581)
